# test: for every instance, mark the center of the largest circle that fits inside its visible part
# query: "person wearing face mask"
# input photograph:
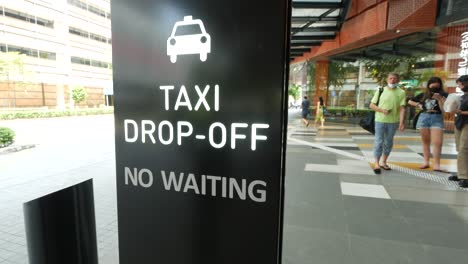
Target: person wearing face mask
(461, 135)
(389, 116)
(431, 121)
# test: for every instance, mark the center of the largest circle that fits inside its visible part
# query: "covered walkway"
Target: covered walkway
(338, 211)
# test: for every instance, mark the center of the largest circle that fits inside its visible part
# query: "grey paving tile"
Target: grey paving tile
(403, 180)
(430, 213)
(304, 245)
(368, 250)
(461, 211)
(370, 206)
(437, 255)
(344, 148)
(381, 227)
(443, 156)
(316, 216)
(442, 234)
(428, 195)
(364, 179)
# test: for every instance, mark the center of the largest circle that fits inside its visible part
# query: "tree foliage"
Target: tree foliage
(7, 136)
(295, 91)
(379, 69)
(426, 75)
(12, 66)
(78, 94)
(338, 72)
(311, 73)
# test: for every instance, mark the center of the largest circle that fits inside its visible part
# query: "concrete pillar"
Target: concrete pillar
(60, 95)
(321, 82)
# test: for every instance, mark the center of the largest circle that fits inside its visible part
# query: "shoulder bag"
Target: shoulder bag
(368, 122)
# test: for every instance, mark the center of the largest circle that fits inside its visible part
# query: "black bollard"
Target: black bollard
(61, 227)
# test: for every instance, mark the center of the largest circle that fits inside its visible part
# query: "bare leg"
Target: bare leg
(384, 160)
(426, 141)
(377, 163)
(437, 140)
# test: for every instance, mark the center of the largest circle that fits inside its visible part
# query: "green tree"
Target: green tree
(338, 72)
(379, 69)
(78, 94)
(12, 70)
(7, 136)
(12, 66)
(295, 91)
(311, 76)
(426, 75)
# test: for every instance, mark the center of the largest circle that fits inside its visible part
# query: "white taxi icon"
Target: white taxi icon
(188, 37)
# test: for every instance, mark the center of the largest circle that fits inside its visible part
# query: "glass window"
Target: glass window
(78, 32)
(18, 15)
(2, 47)
(99, 64)
(96, 11)
(29, 18)
(78, 4)
(78, 60)
(44, 22)
(22, 50)
(47, 55)
(89, 8)
(98, 38)
(188, 30)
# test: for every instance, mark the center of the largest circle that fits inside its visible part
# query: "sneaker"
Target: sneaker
(463, 183)
(453, 178)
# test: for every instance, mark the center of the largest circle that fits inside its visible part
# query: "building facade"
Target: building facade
(416, 38)
(64, 44)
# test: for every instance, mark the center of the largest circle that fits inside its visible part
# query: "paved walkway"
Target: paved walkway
(347, 214)
(68, 151)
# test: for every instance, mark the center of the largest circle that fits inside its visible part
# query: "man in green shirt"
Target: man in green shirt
(389, 116)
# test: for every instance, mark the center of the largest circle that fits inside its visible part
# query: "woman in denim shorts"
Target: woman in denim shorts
(431, 121)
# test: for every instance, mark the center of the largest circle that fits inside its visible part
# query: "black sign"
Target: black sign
(200, 103)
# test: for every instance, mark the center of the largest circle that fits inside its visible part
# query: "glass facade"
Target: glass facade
(348, 80)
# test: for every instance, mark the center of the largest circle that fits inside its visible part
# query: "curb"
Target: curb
(11, 149)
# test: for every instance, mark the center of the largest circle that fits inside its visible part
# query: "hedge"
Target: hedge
(345, 111)
(54, 113)
(7, 136)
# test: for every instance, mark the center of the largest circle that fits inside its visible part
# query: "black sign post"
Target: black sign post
(200, 118)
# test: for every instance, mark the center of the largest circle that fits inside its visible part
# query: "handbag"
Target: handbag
(368, 122)
(415, 119)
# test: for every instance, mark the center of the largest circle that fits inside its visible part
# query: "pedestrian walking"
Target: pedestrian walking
(319, 112)
(389, 116)
(305, 110)
(431, 121)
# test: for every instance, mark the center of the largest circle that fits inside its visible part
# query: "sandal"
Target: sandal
(385, 167)
(440, 170)
(422, 167)
(377, 171)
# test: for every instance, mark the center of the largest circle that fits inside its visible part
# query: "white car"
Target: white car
(188, 37)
